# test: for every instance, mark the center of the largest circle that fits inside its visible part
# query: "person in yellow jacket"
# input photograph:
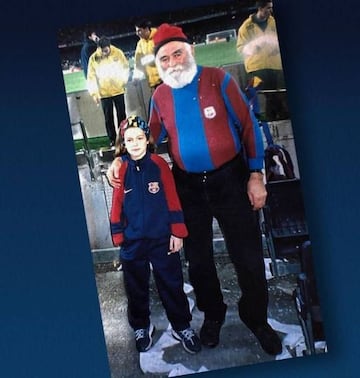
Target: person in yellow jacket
(108, 74)
(257, 42)
(144, 54)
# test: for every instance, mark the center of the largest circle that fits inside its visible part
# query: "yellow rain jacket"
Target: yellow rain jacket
(145, 59)
(107, 76)
(259, 48)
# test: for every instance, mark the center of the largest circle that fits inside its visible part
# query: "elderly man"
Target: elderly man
(208, 123)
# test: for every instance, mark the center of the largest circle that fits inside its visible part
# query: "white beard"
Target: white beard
(180, 75)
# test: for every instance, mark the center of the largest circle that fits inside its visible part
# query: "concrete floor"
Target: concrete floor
(167, 358)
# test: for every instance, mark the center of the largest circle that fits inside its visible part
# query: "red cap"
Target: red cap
(167, 33)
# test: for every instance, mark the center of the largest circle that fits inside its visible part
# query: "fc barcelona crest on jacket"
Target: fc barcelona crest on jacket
(153, 187)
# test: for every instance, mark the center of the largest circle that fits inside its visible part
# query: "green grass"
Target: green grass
(217, 54)
(213, 55)
(74, 82)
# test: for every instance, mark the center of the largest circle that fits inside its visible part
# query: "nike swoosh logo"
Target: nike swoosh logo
(127, 191)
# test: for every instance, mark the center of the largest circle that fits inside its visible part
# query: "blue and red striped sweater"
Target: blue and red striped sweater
(203, 121)
(147, 204)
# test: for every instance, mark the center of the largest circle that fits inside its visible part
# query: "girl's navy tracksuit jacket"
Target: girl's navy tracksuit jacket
(147, 205)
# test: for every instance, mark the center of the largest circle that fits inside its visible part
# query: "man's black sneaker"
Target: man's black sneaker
(189, 340)
(143, 338)
(268, 339)
(210, 331)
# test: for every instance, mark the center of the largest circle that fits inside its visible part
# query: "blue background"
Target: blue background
(50, 323)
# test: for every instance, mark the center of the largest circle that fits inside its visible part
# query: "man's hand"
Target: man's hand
(256, 190)
(175, 244)
(96, 99)
(113, 173)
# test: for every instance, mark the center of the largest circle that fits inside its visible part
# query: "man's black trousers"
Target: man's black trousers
(108, 109)
(222, 194)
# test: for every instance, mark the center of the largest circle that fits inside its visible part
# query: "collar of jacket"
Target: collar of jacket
(137, 164)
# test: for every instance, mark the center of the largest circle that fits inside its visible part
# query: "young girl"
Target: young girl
(147, 222)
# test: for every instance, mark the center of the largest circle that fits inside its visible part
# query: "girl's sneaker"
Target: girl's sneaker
(189, 340)
(143, 338)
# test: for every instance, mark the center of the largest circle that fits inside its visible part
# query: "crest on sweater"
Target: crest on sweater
(209, 112)
(153, 187)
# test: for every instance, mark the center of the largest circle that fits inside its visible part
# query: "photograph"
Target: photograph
(191, 188)
(179, 189)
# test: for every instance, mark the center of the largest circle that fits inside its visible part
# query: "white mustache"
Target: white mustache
(176, 69)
